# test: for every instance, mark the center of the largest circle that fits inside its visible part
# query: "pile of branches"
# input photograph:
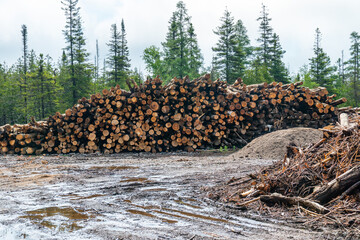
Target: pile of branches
(323, 178)
(182, 115)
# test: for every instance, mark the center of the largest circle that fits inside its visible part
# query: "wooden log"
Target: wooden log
(337, 186)
(294, 201)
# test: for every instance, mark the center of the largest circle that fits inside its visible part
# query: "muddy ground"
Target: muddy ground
(130, 196)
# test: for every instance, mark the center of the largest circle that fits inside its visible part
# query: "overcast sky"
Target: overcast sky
(146, 23)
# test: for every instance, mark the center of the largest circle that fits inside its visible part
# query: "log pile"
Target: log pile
(323, 178)
(182, 115)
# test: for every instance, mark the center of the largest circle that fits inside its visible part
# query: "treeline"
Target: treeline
(38, 86)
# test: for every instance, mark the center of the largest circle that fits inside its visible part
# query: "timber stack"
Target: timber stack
(182, 115)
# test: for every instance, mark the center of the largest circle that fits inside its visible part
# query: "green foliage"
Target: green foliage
(320, 65)
(155, 65)
(277, 70)
(118, 58)
(181, 54)
(232, 49)
(78, 83)
(353, 68)
(257, 73)
(304, 75)
(266, 34)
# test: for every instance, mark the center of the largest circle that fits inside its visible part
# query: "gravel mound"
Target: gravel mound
(273, 145)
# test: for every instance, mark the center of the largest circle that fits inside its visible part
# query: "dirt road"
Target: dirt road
(127, 196)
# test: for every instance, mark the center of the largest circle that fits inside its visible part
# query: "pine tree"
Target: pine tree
(79, 80)
(23, 86)
(320, 66)
(118, 58)
(242, 50)
(43, 88)
(354, 69)
(224, 48)
(266, 34)
(195, 59)
(277, 70)
(124, 54)
(180, 50)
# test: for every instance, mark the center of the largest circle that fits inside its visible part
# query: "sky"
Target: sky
(146, 23)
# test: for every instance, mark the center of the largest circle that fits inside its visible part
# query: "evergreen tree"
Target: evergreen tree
(320, 66)
(354, 69)
(278, 70)
(124, 54)
(225, 47)
(242, 50)
(79, 81)
(266, 35)
(43, 89)
(195, 59)
(23, 85)
(181, 52)
(118, 58)
(232, 50)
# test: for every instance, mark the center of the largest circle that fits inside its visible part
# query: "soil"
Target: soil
(273, 145)
(131, 196)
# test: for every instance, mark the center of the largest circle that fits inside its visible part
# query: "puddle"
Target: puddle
(154, 189)
(150, 215)
(143, 180)
(74, 196)
(197, 215)
(68, 212)
(113, 168)
(72, 214)
(187, 204)
(188, 214)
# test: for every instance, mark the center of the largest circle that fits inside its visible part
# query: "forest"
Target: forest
(38, 86)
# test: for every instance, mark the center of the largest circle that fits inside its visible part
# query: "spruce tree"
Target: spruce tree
(181, 52)
(266, 35)
(195, 59)
(320, 66)
(354, 69)
(225, 47)
(118, 58)
(232, 50)
(79, 81)
(24, 83)
(242, 50)
(277, 67)
(124, 54)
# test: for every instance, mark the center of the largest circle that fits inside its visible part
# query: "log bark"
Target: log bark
(337, 186)
(294, 201)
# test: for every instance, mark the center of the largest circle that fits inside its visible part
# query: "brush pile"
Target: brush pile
(323, 178)
(182, 115)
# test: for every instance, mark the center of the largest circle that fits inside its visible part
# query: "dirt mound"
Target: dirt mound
(273, 145)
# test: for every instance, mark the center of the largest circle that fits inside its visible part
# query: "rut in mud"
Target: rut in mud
(128, 196)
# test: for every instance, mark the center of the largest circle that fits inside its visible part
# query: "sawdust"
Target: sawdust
(273, 145)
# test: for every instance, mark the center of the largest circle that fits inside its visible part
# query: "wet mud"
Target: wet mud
(129, 196)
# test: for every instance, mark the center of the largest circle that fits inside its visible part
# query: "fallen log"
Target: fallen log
(337, 186)
(294, 201)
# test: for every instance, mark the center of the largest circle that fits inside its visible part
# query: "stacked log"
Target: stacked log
(22, 139)
(182, 115)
